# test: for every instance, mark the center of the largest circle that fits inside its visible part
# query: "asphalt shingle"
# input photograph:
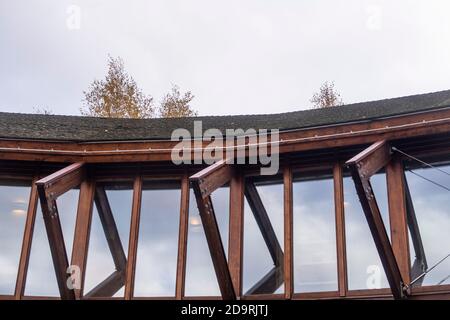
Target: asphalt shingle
(81, 128)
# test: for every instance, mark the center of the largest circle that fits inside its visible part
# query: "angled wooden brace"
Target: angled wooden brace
(274, 278)
(420, 264)
(49, 189)
(204, 183)
(363, 166)
(116, 280)
(269, 283)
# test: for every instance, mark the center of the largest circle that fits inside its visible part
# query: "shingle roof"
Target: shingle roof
(80, 128)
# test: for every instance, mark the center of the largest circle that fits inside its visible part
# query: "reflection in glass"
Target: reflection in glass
(364, 267)
(432, 208)
(315, 261)
(158, 239)
(100, 263)
(200, 276)
(14, 197)
(257, 258)
(41, 279)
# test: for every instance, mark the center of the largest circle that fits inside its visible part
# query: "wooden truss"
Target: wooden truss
(49, 189)
(363, 166)
(394, 256)
(204, 183)
(116, 280)
(275, 277)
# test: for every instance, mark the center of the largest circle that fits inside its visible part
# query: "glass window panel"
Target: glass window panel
(14, 198)
(257, 259)
(200, 276)
(158, 239)
(100, 263)
(364, 267)
(431, 205)
(41, 279)
(315, 261)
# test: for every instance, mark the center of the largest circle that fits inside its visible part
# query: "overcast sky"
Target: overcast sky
(237, 57)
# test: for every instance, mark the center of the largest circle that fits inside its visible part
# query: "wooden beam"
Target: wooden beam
(236, 231)
(134, 236)
(26, 243)
(362, 167)
(82, 231)
(110, 228)
(63, 180)
(214, 241)
(397, 216)
(56, 242)
(108, 287)
(49, 188)
(264, 224)
(182, 238)
(372, 159)
(288, 234)
(340, 229)
(213, 177)
(269, 283)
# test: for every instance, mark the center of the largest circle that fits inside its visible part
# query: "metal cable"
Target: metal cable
(431, 181)
(428, 270)
(439, 185)
(421, 161)
(443, 280)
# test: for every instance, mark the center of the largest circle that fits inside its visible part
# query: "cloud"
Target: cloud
(262, 56)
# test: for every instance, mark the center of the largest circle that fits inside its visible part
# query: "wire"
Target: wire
(431, 181)
(421, 161)
(443, 280)
(439, 185)
(428, 270)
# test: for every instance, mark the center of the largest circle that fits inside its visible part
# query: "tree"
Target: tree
(118, 96)
(175, 105)
(44, 110)
(326, 97)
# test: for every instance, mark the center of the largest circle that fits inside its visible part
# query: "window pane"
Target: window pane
(200, 276)
(41, 279)
(14, 199)
(158, 239)
(364, 267)
(257, 258)
(431, 205)
(100, 263)
(315, 261)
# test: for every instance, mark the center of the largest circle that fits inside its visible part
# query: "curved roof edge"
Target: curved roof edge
(90, 129)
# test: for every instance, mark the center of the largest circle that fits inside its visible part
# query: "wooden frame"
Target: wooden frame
(134, 236)
(114, 282)
(288, 233)
(341, 253)
(182, 238)
(82, 231)
(204, 183)
(275, 277)
(398, 216)
(236, 231)
(49, 188)
(424, 133)
(362, 167)
(26, 243)
(335, 170)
